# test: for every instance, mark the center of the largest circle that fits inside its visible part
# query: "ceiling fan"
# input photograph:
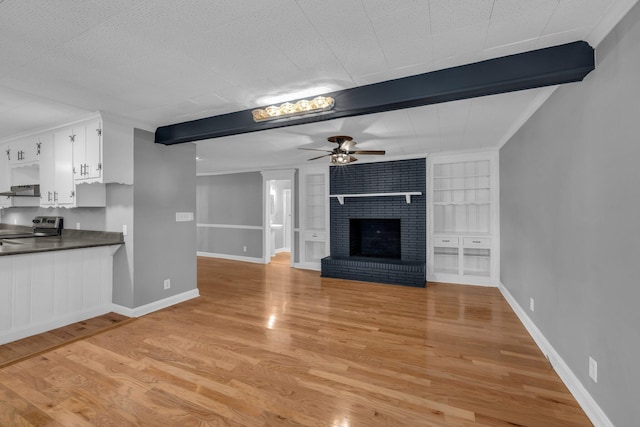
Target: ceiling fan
(342, 154)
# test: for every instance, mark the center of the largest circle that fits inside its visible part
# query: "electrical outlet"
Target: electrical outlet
(244, 249)
(77, 226)
(593, 369)
(167, 283)
(184, 216)
(531, 304)
(124, 230)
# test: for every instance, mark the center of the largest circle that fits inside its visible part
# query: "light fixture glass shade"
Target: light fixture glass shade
(341, 159)
(289, 109)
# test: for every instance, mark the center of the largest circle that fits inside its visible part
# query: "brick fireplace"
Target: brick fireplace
(408, 267)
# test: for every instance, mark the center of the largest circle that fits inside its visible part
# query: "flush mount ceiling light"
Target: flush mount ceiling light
(291, 109)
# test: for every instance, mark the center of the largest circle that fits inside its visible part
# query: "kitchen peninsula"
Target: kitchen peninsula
(52, 281)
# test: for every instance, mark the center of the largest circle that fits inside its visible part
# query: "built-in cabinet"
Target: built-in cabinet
(314, 216)
(68, 163)
(463, 222)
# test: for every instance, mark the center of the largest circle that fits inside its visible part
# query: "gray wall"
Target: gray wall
(570, 222)
(232, 199)
(164, 183)
(119, 212)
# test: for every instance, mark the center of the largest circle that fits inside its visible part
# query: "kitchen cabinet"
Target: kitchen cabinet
(23, 151)
(5, 182)
(463, 212)
(87, 152)
(56, 170)
(46, 290)
(314, 216)
(57, 183)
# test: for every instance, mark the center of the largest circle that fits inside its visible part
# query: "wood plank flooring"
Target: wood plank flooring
(27, 347)
(275, 346)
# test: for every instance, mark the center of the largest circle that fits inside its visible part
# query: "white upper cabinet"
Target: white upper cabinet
(56, 171)
(57, 183)
(5, 183)
(23, 151)
(75, 161)
(87, 152)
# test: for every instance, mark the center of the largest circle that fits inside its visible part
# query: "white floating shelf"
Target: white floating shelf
(406, 194)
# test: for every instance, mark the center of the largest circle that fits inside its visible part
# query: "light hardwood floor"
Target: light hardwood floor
(274, 346)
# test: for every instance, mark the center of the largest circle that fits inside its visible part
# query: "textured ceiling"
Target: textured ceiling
(167, 61)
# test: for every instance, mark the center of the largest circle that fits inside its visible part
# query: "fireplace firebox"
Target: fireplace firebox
(375, 238)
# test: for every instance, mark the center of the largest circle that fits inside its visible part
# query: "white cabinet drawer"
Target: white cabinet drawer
(477, 242)
(447, 242)
(314, 235)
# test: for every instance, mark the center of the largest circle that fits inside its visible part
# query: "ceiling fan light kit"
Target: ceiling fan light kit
(289, 109)
(342, 154)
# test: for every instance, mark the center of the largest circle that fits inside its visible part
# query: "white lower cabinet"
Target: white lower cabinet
(47, 290)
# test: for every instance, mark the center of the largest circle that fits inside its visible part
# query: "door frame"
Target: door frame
(267, 177)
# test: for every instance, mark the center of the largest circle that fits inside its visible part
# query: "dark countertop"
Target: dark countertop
(70, 239)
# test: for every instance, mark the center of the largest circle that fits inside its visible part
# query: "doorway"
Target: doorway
(278, 217)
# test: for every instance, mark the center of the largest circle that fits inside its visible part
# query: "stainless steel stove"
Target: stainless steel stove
(42, 226)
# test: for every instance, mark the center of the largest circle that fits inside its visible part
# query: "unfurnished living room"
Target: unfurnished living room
(300, 213)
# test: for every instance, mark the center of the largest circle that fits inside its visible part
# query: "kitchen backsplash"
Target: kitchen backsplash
(89, 218)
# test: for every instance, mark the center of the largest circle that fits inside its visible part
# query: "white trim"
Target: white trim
(231, 257)
(278, 174)
(406, 194)
(242, 227)
(588, 403)
(542, 96)
(156, 305)
(279, 250)
(313, 266)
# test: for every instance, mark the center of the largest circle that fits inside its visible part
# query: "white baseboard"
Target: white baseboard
(156, 305)
(307, 266)
(57, 323)
(588, 404)
(231, 257)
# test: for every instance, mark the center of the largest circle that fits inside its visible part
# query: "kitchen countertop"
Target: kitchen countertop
(70, 239)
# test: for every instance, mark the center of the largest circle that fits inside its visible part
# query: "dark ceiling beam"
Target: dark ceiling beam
(544, 67)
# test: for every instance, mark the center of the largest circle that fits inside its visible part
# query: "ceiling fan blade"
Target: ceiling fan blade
(347, 145)
(380, 152)
(314, 149)
(319, 157)
(352, 159)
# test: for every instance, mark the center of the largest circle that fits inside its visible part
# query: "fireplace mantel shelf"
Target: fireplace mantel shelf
(406, 194)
